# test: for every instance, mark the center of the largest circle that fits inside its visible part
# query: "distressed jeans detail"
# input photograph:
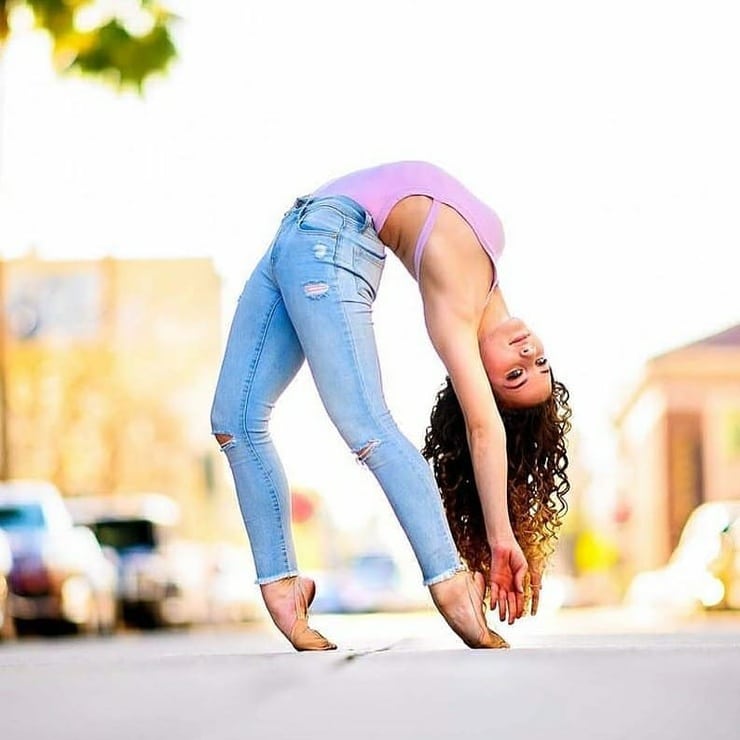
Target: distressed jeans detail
(310, 298)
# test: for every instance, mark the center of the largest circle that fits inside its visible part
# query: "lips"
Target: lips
(519, 338)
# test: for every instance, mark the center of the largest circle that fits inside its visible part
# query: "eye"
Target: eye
(541, 361)
(514, 374)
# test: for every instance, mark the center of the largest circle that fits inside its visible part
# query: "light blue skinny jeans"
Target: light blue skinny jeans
(311, 297)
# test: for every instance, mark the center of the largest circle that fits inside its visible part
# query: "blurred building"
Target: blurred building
(679, 445)
(107, 371)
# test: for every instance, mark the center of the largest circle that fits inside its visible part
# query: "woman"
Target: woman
(311, 297)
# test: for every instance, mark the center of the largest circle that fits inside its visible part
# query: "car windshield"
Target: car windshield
(21, 516)
(125, 534)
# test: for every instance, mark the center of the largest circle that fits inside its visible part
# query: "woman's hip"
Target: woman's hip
(323, 237)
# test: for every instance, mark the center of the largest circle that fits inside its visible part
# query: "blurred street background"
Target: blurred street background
(147, 153)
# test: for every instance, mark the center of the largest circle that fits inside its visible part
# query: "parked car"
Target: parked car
(703, 571)
(162, 578)
(7, 628)
(59, 574)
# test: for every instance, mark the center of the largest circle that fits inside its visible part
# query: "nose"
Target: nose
(526, 349)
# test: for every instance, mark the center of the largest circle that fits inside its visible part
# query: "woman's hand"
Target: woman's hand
(508, 572)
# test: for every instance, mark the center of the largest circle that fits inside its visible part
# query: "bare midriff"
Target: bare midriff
(402, 227)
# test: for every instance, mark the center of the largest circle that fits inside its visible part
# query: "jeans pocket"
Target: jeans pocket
(368, 247)
(368, 269)
(321, 219)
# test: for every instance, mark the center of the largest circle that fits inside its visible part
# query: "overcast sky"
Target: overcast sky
(605, 135)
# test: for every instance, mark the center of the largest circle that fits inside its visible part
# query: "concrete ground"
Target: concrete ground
(575, 674)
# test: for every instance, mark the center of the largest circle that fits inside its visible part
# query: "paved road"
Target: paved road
(597, 675)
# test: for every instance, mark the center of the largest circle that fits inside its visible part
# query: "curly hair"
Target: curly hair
(537, 480)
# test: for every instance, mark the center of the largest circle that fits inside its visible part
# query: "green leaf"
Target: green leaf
(110, 53)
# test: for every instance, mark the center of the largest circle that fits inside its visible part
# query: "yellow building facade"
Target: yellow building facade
(678, 445)
(108, 368)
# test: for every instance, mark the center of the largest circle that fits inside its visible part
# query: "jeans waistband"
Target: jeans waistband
(349, 207)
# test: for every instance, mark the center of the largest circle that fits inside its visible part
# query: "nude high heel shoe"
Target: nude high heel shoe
(460, 601)
(301, 591)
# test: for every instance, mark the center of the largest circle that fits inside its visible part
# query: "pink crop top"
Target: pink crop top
(378, 189)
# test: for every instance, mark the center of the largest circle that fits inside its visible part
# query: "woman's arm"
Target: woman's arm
(455, 338)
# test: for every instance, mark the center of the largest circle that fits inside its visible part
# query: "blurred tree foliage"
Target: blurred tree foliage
(123, 42)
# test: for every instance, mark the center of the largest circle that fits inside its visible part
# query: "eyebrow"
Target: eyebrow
(517, 387)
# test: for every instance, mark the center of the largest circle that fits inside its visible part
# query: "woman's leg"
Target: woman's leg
(262, 356)
(328, 280)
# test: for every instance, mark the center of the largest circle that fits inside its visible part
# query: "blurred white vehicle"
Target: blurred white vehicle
(233, 595)
(162, 578)
(703, 571)
(59, 573)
